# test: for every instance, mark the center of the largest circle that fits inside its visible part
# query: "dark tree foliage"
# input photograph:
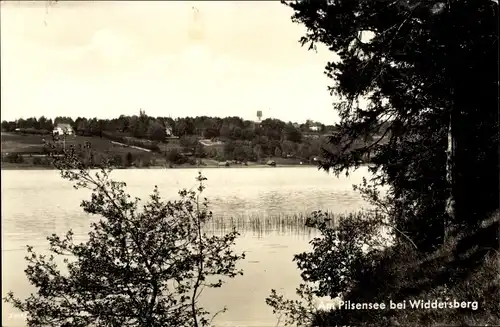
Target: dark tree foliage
(427, 63)
(129, 159)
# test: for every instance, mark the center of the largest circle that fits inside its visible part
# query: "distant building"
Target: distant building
(315, 128)
(61, 129)
(169, 131)
(259, 115)
(256, 123)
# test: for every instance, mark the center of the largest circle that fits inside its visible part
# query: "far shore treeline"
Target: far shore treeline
(142, 140)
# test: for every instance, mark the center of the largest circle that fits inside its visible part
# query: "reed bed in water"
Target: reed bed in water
(262, 224)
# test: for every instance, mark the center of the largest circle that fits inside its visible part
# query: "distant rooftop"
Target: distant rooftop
(63, 125)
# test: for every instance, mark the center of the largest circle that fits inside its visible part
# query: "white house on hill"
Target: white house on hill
(169, 130)
(61, 129)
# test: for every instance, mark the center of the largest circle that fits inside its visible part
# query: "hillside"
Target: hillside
(20, 150)
(32, 146)
(148, 141)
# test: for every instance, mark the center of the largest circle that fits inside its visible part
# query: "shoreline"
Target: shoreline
(31, 167)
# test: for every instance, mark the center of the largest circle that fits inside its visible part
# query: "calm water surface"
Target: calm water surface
(37, 203)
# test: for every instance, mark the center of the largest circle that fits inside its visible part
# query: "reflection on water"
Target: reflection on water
(268, 206)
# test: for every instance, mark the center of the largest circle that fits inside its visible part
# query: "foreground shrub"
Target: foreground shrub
(331, 269)
(399, 273)
(138, 268)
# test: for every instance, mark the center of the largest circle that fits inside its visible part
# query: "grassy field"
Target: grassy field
(31, 146)
(29, 143)
(22, 143)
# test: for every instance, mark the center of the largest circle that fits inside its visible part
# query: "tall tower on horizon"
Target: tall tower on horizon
(259, 115)
(196, 29)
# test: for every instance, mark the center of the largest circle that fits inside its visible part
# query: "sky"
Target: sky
(105, 59)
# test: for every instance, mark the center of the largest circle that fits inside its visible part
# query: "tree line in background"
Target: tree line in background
(239, 139)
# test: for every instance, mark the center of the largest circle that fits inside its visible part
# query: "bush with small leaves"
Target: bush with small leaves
(343, 249)
(138, 268)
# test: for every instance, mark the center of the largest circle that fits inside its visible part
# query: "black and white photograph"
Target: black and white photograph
(303, 163)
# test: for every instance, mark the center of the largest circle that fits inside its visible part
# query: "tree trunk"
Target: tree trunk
(475, 155)
(450, 203)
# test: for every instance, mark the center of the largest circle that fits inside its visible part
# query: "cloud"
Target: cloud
(108, 58)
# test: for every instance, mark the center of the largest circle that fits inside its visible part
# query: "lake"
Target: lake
(37, 203)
